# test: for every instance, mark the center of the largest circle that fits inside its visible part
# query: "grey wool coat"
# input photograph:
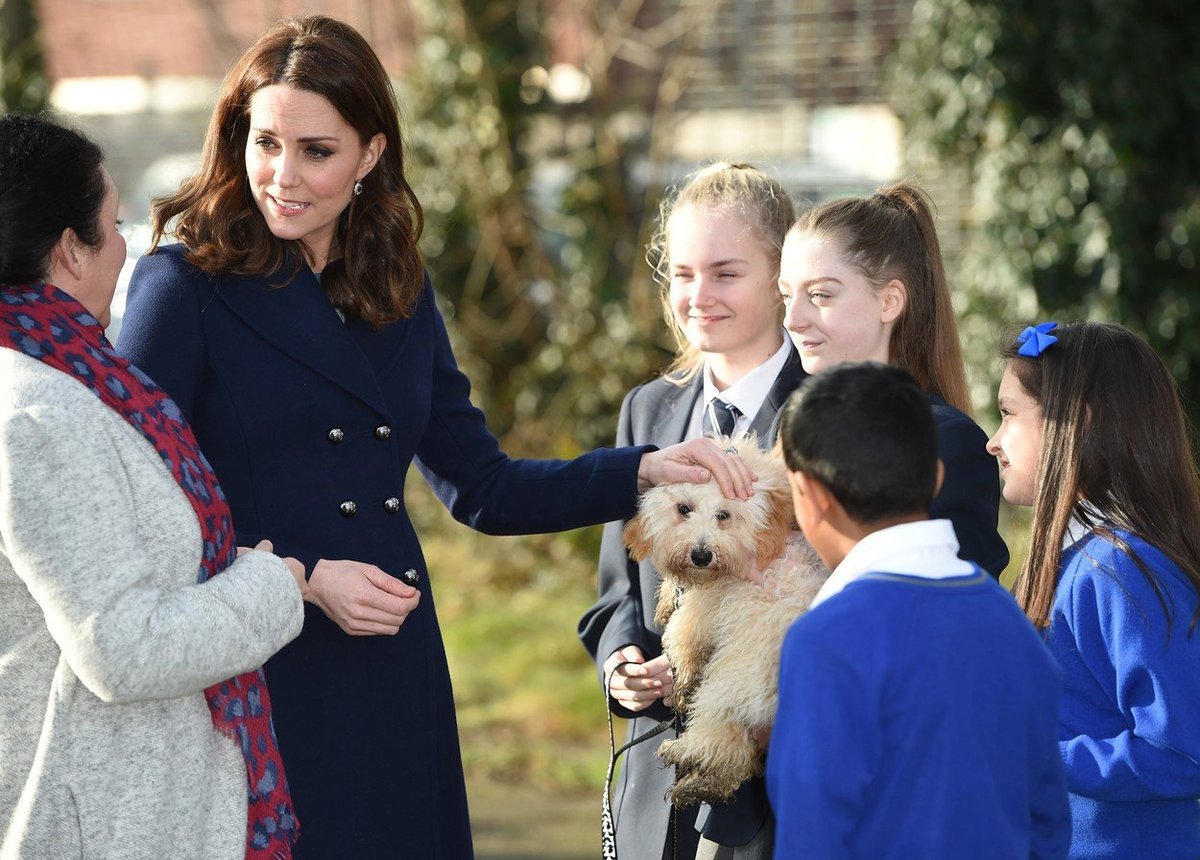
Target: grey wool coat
(107, 642)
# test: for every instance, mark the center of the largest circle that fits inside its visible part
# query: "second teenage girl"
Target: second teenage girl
(717, 256)
(1093, 437)
(863, 280)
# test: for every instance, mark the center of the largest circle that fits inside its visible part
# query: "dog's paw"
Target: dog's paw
(697, 786)
(682, 754)
(687, 680)
(710, 771)
(672, 752)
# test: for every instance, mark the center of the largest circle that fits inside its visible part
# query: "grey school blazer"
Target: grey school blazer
(658, 413)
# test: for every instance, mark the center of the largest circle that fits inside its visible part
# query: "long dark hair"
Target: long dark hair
(891, 234)
(51, 179)
(1114, 435)
(379, 274)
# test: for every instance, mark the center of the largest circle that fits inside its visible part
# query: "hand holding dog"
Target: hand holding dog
(734, 578)
(635, 687)
(360, 598)
(693, 462)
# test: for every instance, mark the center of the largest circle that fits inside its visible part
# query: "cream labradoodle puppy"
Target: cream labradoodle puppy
(724, 631)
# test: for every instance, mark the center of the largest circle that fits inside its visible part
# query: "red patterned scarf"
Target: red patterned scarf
(45, 323)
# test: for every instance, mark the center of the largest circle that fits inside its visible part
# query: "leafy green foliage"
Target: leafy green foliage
(23, 84)
(1080, 124)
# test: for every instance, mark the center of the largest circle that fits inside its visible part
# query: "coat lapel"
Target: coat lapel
(766, 423)
(667, 420)
(384, 346)
(299, 320)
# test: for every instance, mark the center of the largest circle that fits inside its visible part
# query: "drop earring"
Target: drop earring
(358, 188)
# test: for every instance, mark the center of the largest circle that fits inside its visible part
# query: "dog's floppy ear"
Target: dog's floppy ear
(773, 540)
(635, 538)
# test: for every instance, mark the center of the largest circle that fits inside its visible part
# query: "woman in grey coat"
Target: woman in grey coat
(133, 720)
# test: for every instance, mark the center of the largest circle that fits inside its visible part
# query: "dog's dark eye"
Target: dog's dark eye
(683, 509)
(722, 516)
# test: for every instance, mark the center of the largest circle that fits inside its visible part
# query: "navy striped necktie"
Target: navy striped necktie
(724, 414)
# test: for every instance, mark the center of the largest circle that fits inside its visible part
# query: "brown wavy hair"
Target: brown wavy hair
(891, 235)
(375, 271)
(740, 188)
(1114, 435)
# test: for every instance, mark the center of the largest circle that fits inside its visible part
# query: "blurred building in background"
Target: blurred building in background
(141, 76)
(796, 87)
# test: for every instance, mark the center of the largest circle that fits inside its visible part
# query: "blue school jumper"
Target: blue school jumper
(1130, 719)
(917, 718)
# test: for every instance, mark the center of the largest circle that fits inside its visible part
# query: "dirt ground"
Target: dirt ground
(519, 823)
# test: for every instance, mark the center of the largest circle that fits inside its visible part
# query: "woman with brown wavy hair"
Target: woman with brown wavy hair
(297, 330)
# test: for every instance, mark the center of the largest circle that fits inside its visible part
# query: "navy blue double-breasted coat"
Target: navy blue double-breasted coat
(311, 425)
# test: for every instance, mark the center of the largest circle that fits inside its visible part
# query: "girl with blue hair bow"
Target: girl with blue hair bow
(1094, 439)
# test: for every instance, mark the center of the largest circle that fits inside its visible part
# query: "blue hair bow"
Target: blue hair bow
(1036, 339)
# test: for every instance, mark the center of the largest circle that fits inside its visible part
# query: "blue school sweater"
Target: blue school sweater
(917, 719)
(1130, 720)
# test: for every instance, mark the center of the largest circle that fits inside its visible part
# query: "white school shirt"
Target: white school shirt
(1076, 530)
(927, 548)
(748, 394)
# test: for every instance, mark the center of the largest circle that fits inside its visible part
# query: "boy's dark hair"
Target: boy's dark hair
(865, 430)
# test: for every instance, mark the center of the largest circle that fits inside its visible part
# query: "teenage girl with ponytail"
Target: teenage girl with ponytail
(862, 279)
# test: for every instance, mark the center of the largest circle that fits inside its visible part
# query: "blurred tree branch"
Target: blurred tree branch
(526, 118)
(224, 44)
(1080, 124)
(23, 84)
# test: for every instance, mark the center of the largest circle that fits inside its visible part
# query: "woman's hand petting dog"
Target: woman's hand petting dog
(640, 682)
(693, 462)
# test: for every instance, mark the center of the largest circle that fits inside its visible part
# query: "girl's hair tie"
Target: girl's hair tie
(1036, 339)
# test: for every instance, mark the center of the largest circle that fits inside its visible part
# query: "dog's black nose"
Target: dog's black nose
(701, 556)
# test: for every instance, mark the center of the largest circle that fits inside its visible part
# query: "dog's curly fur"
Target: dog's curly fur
(723, 633)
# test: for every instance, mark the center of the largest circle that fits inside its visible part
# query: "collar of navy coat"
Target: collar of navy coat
(299, 319)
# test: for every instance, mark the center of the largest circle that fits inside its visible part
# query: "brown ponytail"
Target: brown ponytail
(891, 235)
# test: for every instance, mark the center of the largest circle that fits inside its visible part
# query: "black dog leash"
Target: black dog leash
(608, 831)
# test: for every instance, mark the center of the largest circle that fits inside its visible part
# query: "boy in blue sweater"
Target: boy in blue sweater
(917, 706)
